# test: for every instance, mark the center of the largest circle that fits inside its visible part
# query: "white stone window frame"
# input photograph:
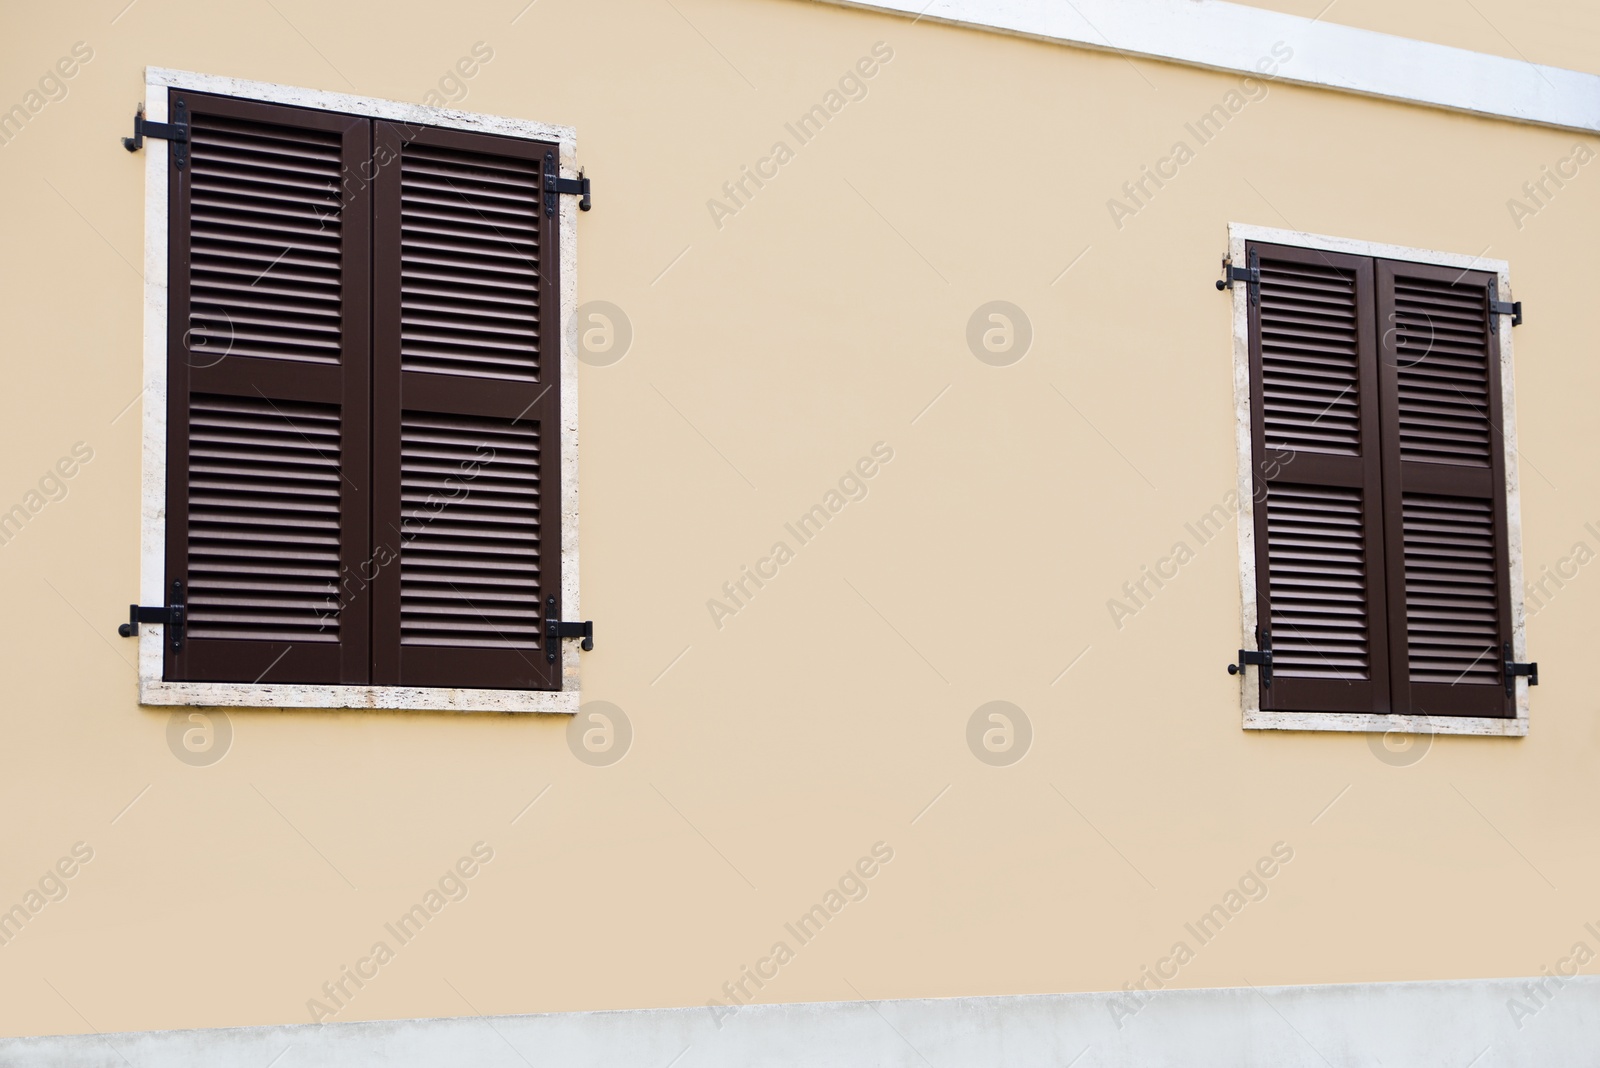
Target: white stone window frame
(1256, 718)
(153, 688)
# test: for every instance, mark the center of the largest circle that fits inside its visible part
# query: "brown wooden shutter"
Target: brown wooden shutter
(268, 405)
(1320, 576)
(467, 514)
(1445, 505)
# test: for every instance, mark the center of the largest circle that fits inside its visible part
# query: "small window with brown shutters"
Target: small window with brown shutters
(368, 439)
(1379, 529)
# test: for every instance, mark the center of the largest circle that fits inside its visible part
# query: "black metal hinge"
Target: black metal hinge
(171, 615)
(1262, 658)
(555, 185)
(175, 132)
(1498, 307)
(1250, 276)
(556, 629)
(1513, 669)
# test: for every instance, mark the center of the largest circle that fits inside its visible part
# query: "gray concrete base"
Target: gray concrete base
(1459, 1023)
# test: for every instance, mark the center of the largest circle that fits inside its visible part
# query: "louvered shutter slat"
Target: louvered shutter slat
(470, 227)
(466, 413)
(1316, 569)
(490, 533)
(269, 366)
(274, 507)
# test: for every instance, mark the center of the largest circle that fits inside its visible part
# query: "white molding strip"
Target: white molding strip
(1236, 38)
(157, 78)
(1255, 718)
(1428, 1023)
(153, 689)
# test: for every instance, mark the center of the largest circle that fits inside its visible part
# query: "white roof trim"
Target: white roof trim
(1388, 1020)
(1233, 37)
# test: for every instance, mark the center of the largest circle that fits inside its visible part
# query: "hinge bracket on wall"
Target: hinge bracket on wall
(1250, 276)
(175, 133)
(1498, 307)
(1513, 669)
(555, 629)
(1262, 658)
(171, 615)
(555, 185)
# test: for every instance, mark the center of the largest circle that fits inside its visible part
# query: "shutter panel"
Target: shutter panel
(1320, 578)
(1444, 477)
(466, 411)
(268, 372)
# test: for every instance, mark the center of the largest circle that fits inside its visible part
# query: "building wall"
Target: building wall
(771, 350)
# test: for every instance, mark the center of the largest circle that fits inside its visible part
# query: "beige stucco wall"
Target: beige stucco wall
(769, 356)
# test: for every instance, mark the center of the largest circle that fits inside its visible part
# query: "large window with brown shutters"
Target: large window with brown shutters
(363, 402)
(1380, 505)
